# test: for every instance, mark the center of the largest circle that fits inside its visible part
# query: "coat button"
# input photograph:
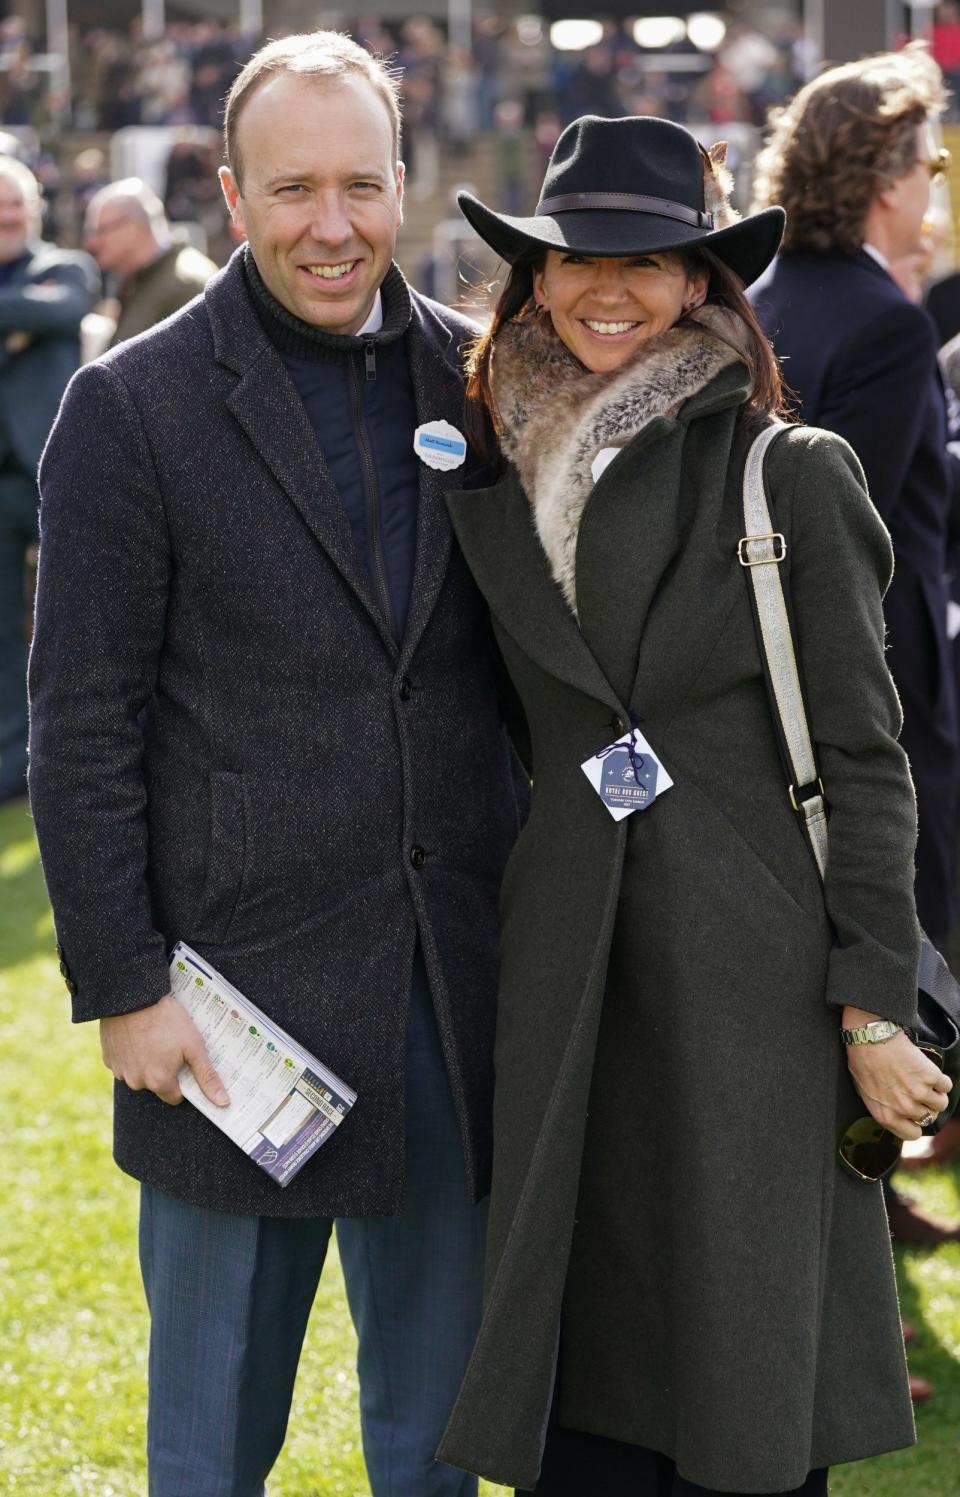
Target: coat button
(618, 724)
(64, 971)
(71, 987)
(417, 856)
(405, 689)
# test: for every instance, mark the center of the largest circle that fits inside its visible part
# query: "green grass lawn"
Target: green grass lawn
(72, 1320)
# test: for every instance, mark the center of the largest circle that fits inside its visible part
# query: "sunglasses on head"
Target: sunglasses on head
(938, 165)
(868, 1150)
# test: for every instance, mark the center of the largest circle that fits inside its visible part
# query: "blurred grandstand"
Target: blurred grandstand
(93, 90)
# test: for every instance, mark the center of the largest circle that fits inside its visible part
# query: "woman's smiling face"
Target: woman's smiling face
(604, 307)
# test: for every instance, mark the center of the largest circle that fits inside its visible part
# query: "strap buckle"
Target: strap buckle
(800, 796)
(779, 550)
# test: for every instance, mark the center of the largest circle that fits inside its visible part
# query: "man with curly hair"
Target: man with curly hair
(851, 159)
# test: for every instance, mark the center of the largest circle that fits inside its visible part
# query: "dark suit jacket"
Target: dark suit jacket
(862, 360)
(942, 301)
(229, 748)
(48, 297)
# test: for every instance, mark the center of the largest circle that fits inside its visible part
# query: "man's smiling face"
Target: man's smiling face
(320, 194)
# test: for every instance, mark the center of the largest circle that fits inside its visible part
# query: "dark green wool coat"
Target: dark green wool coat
(667, 1203)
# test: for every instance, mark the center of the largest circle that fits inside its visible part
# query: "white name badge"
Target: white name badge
(603, 460)
(627, 775)
(440, 445)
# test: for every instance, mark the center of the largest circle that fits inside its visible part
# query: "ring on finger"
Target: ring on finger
(926, 1120)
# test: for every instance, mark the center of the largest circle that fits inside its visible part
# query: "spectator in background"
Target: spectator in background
(526, 66)
(115, 83)
(214, 60)
(192, 193)
(754, 63)
(460, 113)
(851, 160)
(87, 175)
(421, 60)
(510, 154)
(946, 51)
(487, 50)
(591, 85)
(129, 237)
(165, 86)
(44, 295)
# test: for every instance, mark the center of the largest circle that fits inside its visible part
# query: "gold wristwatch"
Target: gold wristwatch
(874, 1033)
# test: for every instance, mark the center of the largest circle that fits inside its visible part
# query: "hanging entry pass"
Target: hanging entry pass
(627, 775)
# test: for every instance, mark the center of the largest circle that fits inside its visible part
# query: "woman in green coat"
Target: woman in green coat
(687, 1293)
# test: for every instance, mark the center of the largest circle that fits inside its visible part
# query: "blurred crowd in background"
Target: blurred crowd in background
(729, 71)
(152, 106)
(513, 84)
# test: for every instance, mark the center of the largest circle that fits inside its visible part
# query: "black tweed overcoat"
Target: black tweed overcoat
(229, 749)
(668, 1211)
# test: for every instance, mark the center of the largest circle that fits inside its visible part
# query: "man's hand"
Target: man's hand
(147, 1048)
(897, 1082)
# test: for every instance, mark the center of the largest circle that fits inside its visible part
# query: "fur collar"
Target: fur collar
(556, 416)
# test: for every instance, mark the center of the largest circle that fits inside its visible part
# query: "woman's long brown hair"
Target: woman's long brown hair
(769, 396)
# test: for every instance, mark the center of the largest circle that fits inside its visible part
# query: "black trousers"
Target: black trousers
(580, 1465)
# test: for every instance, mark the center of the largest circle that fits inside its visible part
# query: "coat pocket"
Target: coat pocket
(226, 853)
(738, 840)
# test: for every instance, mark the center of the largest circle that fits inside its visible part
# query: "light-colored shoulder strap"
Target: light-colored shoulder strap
(761, 551)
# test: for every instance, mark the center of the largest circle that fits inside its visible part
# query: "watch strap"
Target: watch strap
(877, 1032)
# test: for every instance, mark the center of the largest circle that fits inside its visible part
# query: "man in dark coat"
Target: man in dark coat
(862, 361)
(44, 295)
(266, 722)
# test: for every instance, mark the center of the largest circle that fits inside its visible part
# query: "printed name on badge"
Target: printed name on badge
(627, 775)
(440, 445)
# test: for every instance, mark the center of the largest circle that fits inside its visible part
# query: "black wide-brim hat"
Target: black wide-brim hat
(628, 187)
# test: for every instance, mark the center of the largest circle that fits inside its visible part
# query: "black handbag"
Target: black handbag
(760, 552)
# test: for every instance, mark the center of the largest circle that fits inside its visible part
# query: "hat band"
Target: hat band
(571, 202)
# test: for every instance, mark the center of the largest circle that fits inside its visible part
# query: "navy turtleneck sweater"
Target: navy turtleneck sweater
(358, 395)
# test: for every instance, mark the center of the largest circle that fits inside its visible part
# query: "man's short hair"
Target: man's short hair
(138, 199)
(844, 137)
(315, 54)
(15, 171)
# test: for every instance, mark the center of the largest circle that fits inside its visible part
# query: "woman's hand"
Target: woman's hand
(897, 1082)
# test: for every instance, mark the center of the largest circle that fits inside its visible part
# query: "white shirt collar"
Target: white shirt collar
(874, 255)
(374, 322)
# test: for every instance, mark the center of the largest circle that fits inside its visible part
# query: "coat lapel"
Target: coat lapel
(263, 404)
(438, 390)
(495, 530)
(697, 594)
(629, 534)
(267, 408)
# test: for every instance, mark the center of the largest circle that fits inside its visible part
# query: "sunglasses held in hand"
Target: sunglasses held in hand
(868, 1149)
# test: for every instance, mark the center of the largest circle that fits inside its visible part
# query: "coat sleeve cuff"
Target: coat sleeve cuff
(119, 988)
(881, 982)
